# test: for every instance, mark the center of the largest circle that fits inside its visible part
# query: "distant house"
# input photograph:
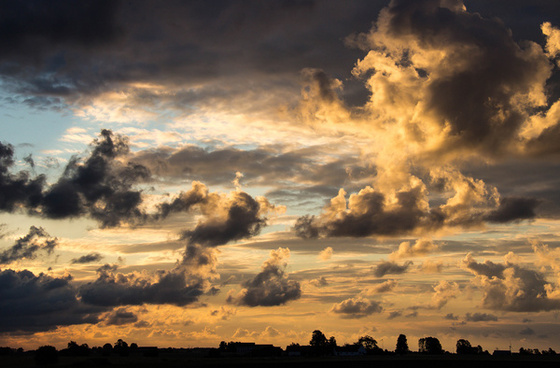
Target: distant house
(250, 348)
(350, 350)
(501, 353)
(242, 348)
(304, 350)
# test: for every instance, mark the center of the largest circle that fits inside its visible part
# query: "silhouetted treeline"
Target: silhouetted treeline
(319, 345)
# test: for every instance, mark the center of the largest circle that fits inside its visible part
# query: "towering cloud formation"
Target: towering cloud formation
(271, 286)
(446, 86)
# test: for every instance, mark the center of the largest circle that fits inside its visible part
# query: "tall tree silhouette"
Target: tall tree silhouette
(402, 345)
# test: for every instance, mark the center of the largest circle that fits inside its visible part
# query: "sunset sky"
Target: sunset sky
(182, 173)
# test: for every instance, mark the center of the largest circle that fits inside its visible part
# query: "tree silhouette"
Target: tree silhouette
(464, 347)
(107, 349)
(429, 345)
(402, 345)
(368, 343)
(46, 354)
(318, 339)
(332, 342)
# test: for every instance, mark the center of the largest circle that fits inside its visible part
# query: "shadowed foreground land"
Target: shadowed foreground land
(179, 359)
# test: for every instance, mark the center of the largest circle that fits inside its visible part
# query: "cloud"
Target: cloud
(510, 287)
(443, 292)
(271, 286)
(513, 209)
(432, 266)
(326, 254)
(224, 313)
(421, 247)
(231, 217)
(120, 317)
(30, 303)
(480, 317)
(356, 308)
(386, 267)
(18, 190)
(88, 258)
(384, 287)
(100, 187)
(394, 315)
(37, 240)
(451, 316)
(527, 331)
(319, 282)
(112, 289)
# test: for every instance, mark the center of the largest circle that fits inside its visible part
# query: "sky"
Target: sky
(184, 173)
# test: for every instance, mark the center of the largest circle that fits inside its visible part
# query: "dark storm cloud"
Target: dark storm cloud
(386, 268)
(88, 258)
(28, 246)
(17, 189)
(480, 317)
(513, 209)
(120, 317)
(30, 303)
(64, 49)
(100, 187)
(510, 287)
(112, 288)
(271, 286)
(356, 308)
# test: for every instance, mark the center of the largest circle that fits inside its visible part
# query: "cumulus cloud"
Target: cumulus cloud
(443, 292)
(17, 190)
(31, 303)
(422, 61)
(510, 287)
(101, 186)
(319, 282)
(112, 288)
(384, 287)
(326, 254)
(386, 268)
(356, 308)
(271, 286)
(230, 217)
(28, 246)
(419, 248)
(120, 317)
(431, 266)
(480, 317)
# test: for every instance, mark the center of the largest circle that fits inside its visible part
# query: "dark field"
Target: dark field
(178, 359)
